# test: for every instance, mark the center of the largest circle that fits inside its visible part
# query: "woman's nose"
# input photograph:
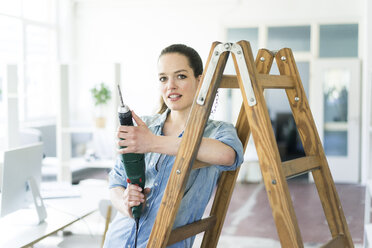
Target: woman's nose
(172, 83)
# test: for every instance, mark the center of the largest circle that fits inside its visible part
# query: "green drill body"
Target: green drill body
(134, 163)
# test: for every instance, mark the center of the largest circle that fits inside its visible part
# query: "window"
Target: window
(296, 37)
(338, 41)
(10, 40)
(29, 39)
(249, 34)
(40, 78)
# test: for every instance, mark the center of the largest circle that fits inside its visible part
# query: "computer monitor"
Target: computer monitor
(21, 180)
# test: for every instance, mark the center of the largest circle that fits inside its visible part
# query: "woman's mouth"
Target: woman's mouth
(174, 97)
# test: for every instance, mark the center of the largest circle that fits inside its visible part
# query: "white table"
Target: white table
(14, 232)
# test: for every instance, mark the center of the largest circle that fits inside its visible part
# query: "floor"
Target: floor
(249, 222)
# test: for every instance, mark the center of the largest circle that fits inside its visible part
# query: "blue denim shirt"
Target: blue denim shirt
(198, 190)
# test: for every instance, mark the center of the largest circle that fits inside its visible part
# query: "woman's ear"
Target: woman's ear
(199, 78)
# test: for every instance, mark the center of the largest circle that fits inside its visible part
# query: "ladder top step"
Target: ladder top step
(265, 80)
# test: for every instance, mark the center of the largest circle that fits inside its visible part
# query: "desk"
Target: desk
(61, 213)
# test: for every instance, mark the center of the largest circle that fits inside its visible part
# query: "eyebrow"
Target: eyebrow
(182, 70)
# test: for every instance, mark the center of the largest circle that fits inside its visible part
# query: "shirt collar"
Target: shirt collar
(160, 121)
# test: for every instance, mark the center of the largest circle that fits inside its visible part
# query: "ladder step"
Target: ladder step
(336, 242)
(198, 164)
(276, 81)
(265, 80)
(290, 168)
(229, 81)
(300, 165)
(184, 232)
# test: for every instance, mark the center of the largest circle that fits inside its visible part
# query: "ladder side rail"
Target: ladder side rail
(270, 162)
(313, 147)
(225, 189)
(185, 157)
(227, 180)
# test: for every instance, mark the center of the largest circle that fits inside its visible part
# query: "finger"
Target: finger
(121, 151)
(124, 142)
(124, 128)
(137, 119)
(120, 143)
(134, 187)
(136, 199)
(121, 135)
(133, 204)
(124, 150)
(135, 195)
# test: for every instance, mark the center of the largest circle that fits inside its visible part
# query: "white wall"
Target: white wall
(134, 32)
(366, 152)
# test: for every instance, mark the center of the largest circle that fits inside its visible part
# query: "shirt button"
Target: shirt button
(148, 205)
(156, 184)
(128, 246)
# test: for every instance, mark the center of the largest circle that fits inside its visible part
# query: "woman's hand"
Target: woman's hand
(124, 199)
(133, 196)
(136, 139)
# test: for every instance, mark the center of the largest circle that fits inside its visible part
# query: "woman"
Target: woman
(158, 136)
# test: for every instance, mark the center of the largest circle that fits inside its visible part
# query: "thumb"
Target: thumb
(146, 191)
(137, 119)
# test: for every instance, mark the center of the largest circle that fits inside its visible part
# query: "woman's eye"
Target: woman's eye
(181, 76)
(162, 79)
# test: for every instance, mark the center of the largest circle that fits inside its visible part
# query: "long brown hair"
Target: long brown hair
(193, 58)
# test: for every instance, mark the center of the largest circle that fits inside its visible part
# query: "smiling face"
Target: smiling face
(178, 83)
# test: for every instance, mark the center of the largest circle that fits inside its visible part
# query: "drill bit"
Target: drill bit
(121, 97)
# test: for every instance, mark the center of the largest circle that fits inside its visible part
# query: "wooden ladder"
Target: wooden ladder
(252, 78)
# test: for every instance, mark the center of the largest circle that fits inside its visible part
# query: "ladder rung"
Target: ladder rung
(198, 164)
(265, 80)
(186, 231)
(336, 242)
(229, 81)
(300, 165)
(276, 81)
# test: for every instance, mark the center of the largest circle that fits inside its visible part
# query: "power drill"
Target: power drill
(134, 163)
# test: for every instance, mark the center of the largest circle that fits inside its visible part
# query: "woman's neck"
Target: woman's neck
(178, 118)
(176, 122)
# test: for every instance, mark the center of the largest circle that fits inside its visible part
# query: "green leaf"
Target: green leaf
(101, 94)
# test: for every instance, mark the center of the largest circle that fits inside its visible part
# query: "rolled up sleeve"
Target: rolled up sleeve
(117, 176)
(226, 133)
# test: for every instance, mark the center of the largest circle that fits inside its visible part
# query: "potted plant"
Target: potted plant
(101, 96)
